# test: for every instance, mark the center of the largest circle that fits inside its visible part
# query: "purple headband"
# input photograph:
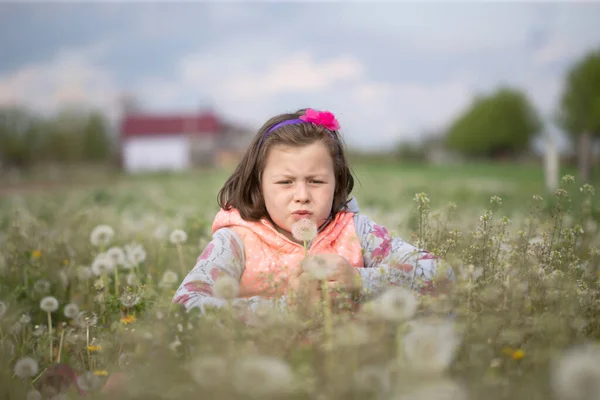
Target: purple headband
(319, 118)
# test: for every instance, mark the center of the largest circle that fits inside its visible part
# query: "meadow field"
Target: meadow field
(88, 268)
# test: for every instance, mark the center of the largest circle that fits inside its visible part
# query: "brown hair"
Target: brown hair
(242, 190)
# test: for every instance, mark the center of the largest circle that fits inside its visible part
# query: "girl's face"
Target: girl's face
(298, 182)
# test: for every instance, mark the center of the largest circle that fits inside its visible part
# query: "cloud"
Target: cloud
(70, 78)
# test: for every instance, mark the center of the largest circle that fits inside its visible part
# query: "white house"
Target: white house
(178, 142)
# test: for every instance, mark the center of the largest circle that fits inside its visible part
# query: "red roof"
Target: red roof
(150, 125)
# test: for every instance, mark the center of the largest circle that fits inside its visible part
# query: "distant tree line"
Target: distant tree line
(70, 137)
(503, 123)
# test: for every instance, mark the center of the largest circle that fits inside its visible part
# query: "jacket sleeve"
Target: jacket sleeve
(223, 255)
(389, 260)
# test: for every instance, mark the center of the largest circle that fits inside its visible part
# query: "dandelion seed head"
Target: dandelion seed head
(129, 300)
(576, 374)
(430, 346)
(318, 267)
(304, 230)
(86, 319)
(41, 286)
(101, 235)
(135, 254)
(102, 265)
(26, 367)
(169, 278)
(208, 371)
(84, 273)
(226, 287)
(71, 310)
(89, 381)
(117, 255)
(25, 319)
(49, 304)
(178, 236)
(34, 395)
(262, 376)
(132, 279)
(395, 304)
(39, 330)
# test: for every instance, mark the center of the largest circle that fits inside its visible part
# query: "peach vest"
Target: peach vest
(271, 257)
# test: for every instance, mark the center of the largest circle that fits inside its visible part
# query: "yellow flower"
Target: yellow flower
(66, 262)
(102, 372)
(518, 354)
(94, 348)
(128, 319)
(36, 254)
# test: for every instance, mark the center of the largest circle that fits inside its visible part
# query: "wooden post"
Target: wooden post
(551, 164)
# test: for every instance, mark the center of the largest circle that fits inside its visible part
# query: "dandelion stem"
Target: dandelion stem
(327, 322)
(50, 335)
(60, 344)
(181, 263)
(116, 280)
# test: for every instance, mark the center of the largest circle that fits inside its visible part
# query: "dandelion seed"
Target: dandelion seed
(102, 265)
(304, 230)
(226, 287)
(576, 374)
(209, 371)
(101, 235)
(117, 255)
(129, 300)
(3, 309)
(178, 236)
(71, 310)
(49, 304)
(395, 304)
(26, 368)
(430, 346)
(262, 377)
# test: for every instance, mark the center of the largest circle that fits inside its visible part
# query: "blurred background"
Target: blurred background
(95, 89)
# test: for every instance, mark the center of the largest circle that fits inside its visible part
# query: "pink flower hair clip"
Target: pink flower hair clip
(325, 119)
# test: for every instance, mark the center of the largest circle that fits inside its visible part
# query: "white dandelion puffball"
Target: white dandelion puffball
(33, 395)
(262, 376)
(135, 254)
(395, 304)
(576, 374)
(3, 309)
(101, 235)
(178, 236)
(86, 319)
(71, 310)
(443, 389)
(318, 267)
(226, 287)
(117, 255)
(209, 371)
(26, 368)
(129, 300)
(430, 346)
(88, 381)
(132, 279)
(41, 286)
(102, 265)
(84, 273)
(304, 230)
(169, 278)
(49, 304)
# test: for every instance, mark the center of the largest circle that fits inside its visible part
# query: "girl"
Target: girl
(296, 168)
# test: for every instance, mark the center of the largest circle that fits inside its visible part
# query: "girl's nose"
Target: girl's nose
(301, 193)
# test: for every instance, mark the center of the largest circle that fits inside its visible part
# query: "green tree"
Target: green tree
(500, 124)
(579, 110)
(19, 137)
(96, 140)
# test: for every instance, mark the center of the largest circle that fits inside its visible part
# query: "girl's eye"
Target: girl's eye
(283, 182)
(318, 182)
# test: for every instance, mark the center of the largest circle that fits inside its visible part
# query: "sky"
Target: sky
(390, 71)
